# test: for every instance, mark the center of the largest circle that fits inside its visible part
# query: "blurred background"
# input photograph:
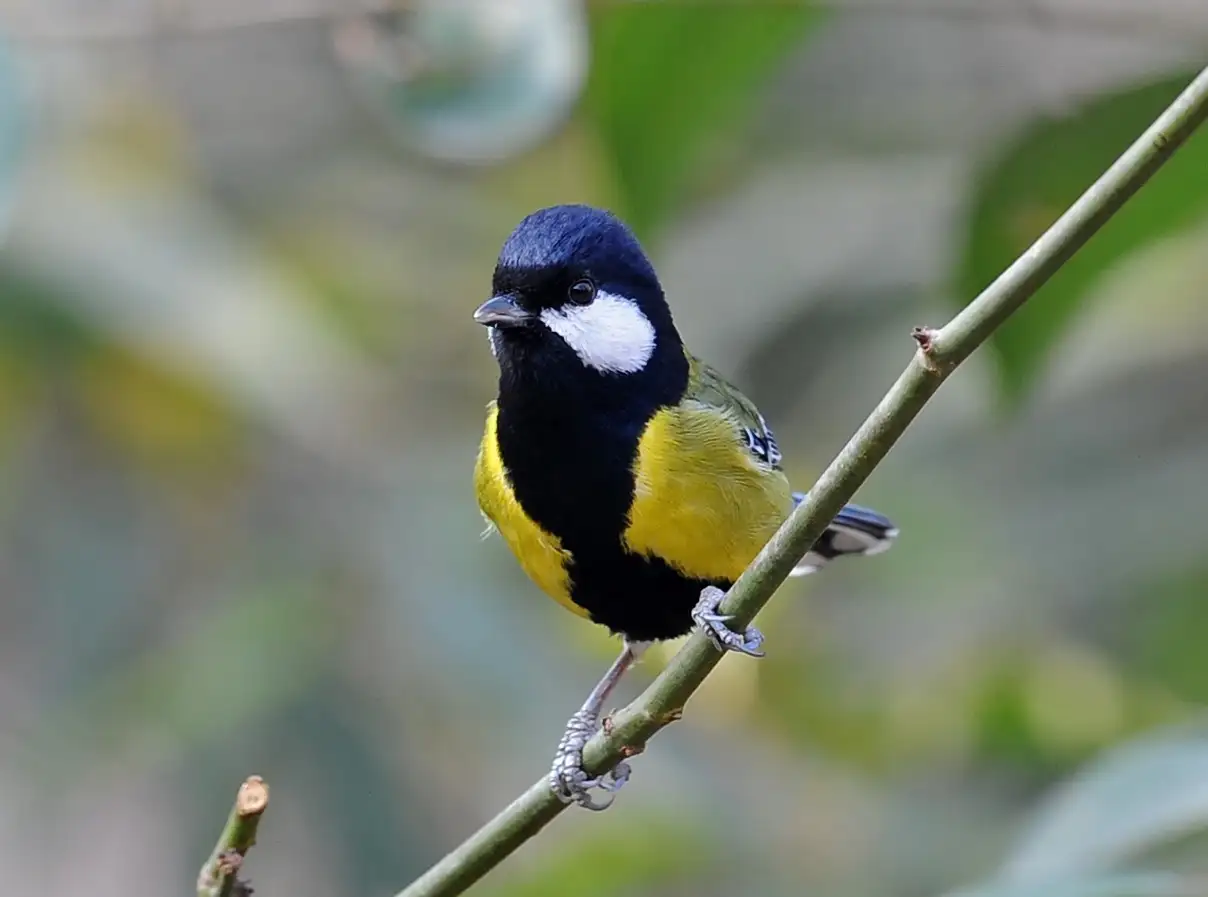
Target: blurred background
(241, 394)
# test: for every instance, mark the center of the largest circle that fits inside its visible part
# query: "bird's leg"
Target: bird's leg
(568, 779)
(713, 624)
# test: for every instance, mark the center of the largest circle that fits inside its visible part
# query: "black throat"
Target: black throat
(568, 435)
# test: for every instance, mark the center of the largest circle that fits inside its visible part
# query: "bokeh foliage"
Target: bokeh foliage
(240, 394)
(1037, 178)
(667, 80)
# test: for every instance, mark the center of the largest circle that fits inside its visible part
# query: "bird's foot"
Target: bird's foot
(569, 780)
(713, 624)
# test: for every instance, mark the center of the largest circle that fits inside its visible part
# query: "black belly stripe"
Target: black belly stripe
(568, 437)
(643, 599)
(578, 486)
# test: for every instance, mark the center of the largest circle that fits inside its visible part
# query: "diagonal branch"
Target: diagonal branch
(940, 351)
(219, 876)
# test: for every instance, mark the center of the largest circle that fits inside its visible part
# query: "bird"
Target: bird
(631, 481)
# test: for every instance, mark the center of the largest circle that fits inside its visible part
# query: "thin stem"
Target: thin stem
(219, 876)
(938, 355)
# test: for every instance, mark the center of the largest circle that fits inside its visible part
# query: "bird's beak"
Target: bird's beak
(502, 311)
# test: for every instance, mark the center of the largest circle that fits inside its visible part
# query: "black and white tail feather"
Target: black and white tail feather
(855, 531)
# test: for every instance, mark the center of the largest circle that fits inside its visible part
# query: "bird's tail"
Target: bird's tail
(856, 530)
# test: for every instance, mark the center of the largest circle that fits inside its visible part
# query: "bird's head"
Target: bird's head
(575, 298)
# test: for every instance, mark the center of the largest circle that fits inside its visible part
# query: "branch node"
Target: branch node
(925, 337)
(229, 862)
(219, 875)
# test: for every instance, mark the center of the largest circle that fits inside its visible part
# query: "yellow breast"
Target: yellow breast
(540, 554)
(701, 502)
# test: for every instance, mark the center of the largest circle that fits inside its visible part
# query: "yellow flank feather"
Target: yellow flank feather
(540, 554)
(701, 501)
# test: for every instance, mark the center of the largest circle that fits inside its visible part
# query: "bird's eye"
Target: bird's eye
(581, 292)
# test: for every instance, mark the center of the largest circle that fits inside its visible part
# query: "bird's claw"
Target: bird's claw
(713, 625)
(569, 780)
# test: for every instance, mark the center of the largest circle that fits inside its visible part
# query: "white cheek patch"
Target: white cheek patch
(610, 334)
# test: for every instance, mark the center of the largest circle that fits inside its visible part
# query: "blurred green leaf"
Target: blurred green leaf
(1133, 798)
(36, 326)
(1137, 884)
(1036, 179)
(372, 813)
(667, 77)
(168, 421)
(198, 688)
(1165, 632)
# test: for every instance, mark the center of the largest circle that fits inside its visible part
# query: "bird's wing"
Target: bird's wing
(708, 387)
(708, 492)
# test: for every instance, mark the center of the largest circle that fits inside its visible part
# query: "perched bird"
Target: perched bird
(630, 480)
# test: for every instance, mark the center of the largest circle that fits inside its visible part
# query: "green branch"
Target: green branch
(940, 351)
(219, 877)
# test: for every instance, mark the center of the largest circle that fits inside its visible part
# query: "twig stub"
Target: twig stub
(219, 874)
(252, 798)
